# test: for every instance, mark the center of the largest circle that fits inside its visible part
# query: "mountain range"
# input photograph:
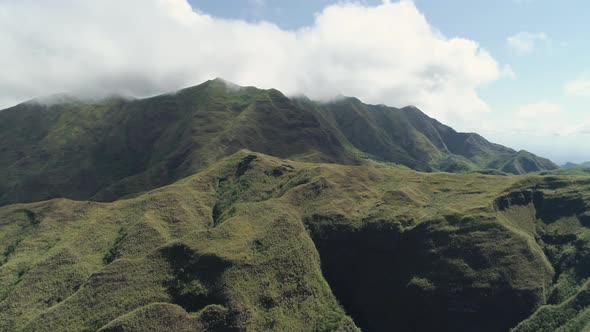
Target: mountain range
(574, 165)
(105, 149)
(227, 208)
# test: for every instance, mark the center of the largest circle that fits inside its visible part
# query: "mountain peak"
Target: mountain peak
(222, 81)
(146, 143)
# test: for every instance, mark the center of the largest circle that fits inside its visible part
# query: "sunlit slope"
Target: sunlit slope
(409, 137)
(109, 148)
(259, 243)
(106, 149)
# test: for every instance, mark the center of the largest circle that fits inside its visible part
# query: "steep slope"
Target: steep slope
(107, 149)
(165, 259)
(561, 209)
(258, 243)
(409, 137)
(525, 162)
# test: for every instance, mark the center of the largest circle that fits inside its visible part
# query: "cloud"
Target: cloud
(578, 88)
(387, 53)
(536, 110)
(545, 119)
(508, 72)
(538, 119)
(545, 128)
(525, 42)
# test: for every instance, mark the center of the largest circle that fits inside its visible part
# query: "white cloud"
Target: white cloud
(544, 128)
(578, 88)
(525, 42)
(536, 110)
(382, 54)
(545, 119)
(539, 119)
(508, 72)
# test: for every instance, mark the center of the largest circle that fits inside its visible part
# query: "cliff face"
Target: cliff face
(259, 243)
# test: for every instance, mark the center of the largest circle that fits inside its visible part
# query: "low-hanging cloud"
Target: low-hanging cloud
(382, 54)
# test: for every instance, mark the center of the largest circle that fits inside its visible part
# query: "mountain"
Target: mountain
(227, 208)
(107, 149)
(259, 243)
(409, 137)
(574, 165)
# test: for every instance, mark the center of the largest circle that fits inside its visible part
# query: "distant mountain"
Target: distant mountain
(239, 209)
(574, 165)
(409, 137)
(110, 148)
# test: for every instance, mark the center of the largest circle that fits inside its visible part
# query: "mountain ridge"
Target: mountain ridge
(255, 243)
(576, 165)
(225, 208)
(106, 149)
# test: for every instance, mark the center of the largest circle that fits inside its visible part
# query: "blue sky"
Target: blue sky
(515, 71)
(560, 56)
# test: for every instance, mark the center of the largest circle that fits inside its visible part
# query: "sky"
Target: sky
(515, 71)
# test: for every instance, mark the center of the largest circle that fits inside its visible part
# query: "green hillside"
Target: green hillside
(568, 172)
(409, 137)
(107, 149)
(227, 208)
(258, 243)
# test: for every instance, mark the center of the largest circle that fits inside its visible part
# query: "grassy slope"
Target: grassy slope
(107, 149)
(568, 171)
(104, 150)
(409, 137)
(238, 246)
(76, 266)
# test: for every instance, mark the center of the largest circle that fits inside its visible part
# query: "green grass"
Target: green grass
(107, 149)
(568, 172)
(263, 244)
(196, 234)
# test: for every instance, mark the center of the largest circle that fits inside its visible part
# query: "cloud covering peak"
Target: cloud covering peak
(382, 54)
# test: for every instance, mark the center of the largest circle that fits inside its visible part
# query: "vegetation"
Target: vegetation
(300, 247)
(568, 172)
(224, 208)
(107, 149)
(580, 165)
